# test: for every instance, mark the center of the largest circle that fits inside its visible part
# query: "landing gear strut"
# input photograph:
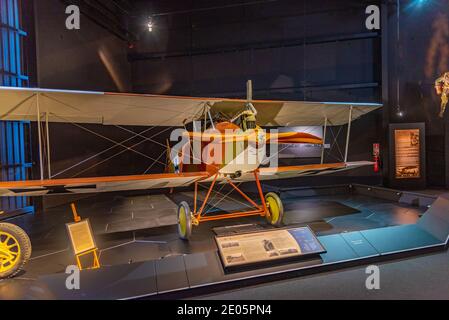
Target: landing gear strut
(271, 208)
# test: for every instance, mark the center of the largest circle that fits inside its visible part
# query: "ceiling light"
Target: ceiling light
(150, 25)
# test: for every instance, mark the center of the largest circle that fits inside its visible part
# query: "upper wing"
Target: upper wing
(100, 184)
(156, 110)
(305, 170)
(299, 113)
(293, 137)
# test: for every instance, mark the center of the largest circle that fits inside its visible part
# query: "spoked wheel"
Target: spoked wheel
(184, 221)
(15, 249)
(275, 209)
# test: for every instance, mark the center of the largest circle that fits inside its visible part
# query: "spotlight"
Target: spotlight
(150, 25)
(418, 3)
(400, 114)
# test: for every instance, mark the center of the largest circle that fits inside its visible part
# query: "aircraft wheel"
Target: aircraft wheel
(15, 249)
(275, 209)
(184, 221)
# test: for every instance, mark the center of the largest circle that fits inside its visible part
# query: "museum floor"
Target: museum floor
(421, 277)
(131, 229)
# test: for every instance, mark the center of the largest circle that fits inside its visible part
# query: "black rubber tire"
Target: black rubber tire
(185, 235)
(25, 248)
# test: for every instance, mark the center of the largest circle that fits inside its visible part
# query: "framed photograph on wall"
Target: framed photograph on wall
(407, 155)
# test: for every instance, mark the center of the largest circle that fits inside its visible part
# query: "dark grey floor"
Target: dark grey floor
(422, 277)
(131, 229)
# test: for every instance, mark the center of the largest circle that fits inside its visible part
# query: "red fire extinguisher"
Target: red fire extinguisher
(376, 154)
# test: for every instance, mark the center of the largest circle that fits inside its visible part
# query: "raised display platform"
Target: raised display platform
(200, 270)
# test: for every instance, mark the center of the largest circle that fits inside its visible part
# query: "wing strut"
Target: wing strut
(348, 134)
(39, 134)
(47, 132)
(324, 140)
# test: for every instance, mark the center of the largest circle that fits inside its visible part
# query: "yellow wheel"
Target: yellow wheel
(184, 221)
(275, 209)
(15, 249)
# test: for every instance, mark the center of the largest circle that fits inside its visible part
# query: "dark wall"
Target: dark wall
(315, 50)
(79, 153)
(91, 58)
(87, 59)
(293, 50)
(419, 57)
(290, 49)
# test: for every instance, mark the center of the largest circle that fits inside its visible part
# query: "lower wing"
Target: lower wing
(158, 181)
(304, 170)
(99, 184)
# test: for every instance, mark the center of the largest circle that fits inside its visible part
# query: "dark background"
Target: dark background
(291, 49)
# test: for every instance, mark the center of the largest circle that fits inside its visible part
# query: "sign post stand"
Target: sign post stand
(82, 240)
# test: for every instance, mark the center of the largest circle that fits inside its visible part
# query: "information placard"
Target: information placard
(81, 236)
(407, 153)
(266, 246)
(407, 156)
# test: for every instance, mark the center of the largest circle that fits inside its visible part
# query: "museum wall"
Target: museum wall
(340, 62)
(91, 58)
(422, 56)
(290, 49)
(87, 59)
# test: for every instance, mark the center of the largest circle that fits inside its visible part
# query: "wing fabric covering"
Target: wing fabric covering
(304, 170)
(160, 181)
(100, 184)
(156, 110)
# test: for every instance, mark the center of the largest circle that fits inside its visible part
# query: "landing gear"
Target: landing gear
(271, 208)
(184, 221)
(275, 212)
(15, 249)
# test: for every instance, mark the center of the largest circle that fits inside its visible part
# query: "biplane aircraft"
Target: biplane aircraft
(214, 125)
